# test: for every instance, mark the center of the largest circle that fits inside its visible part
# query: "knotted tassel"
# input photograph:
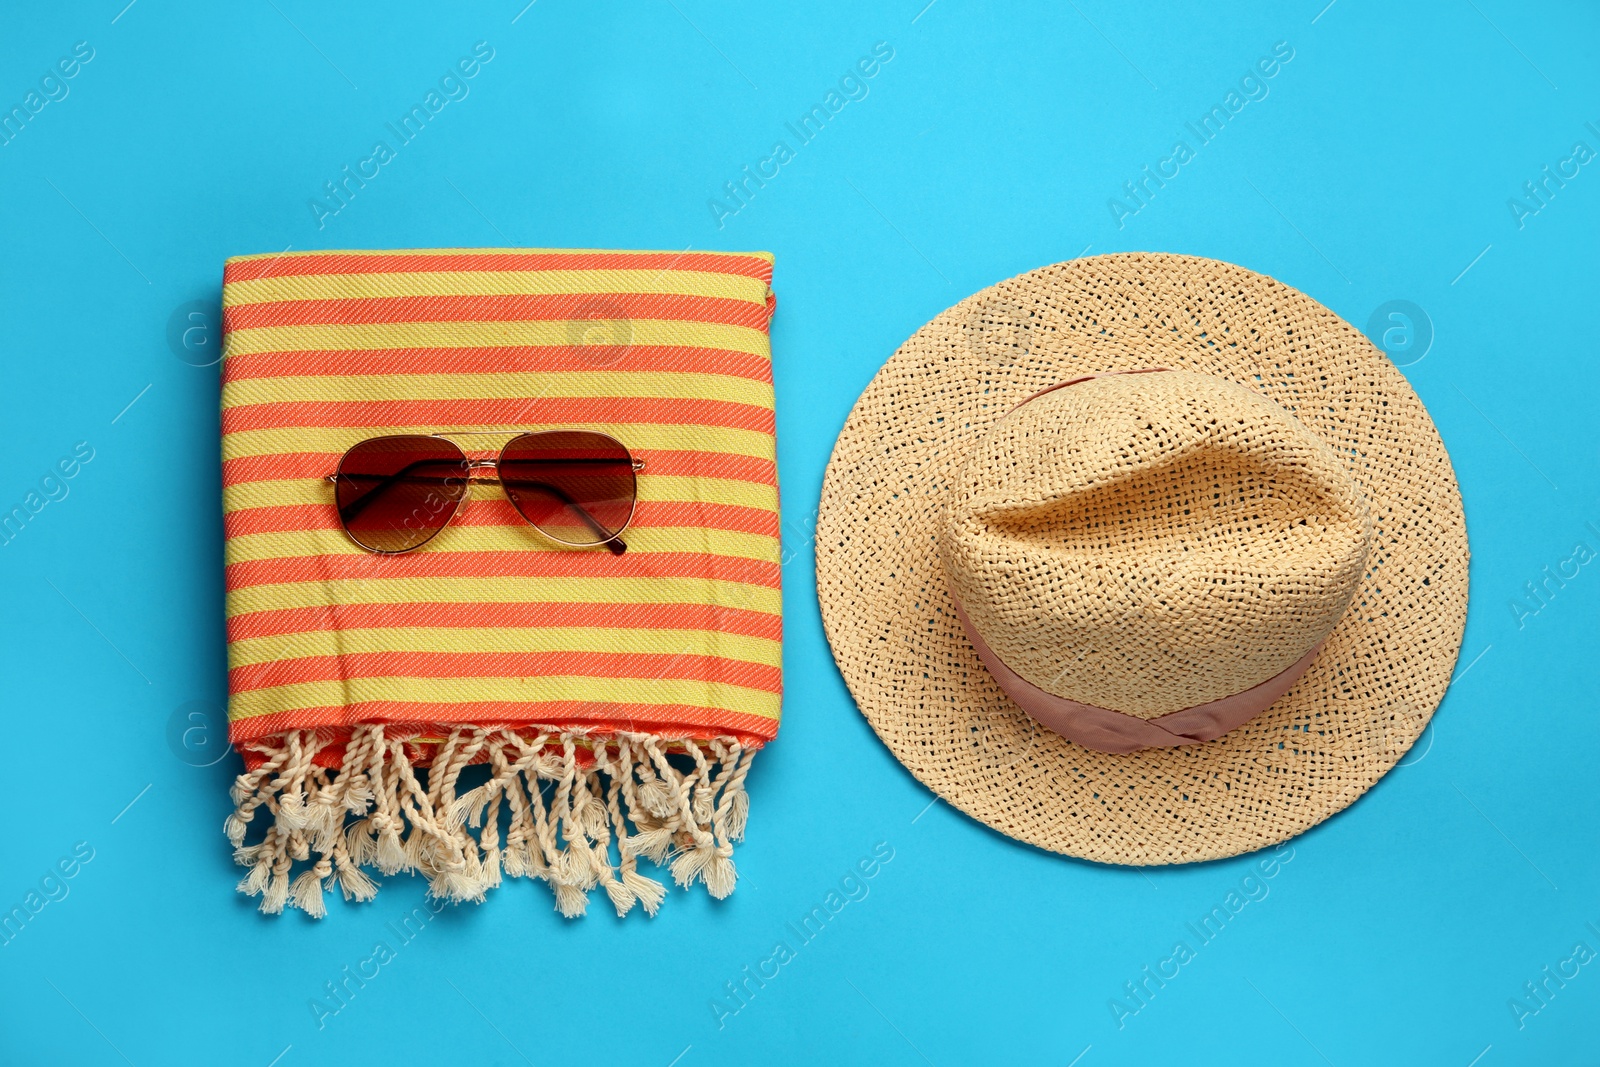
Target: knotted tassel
(574, 801)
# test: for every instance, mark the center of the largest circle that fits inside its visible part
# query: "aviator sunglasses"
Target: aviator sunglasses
(577, 487)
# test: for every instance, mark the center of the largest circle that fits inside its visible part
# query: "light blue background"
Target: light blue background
(1378, 168)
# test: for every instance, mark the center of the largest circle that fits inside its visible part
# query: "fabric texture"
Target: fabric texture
(899, 468)
(616, 699)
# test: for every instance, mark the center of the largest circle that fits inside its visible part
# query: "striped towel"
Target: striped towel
(616, 701)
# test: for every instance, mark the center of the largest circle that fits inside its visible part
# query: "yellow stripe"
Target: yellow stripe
(660, 488)
(640, 436)
(671, 385)
(463, 690)
(494, 283)
(289, 544)
(509, 590)
(401, 335)
(506, 639)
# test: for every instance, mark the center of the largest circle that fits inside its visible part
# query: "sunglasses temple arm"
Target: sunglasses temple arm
(360, 503)
(613, 542)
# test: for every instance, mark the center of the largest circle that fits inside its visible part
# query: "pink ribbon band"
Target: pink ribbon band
(1106, 730)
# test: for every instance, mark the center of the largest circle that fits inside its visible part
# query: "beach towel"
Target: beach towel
(495, 703)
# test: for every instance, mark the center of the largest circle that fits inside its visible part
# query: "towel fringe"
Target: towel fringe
(580, 812)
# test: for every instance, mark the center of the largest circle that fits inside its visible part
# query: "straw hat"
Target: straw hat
(1153, 617)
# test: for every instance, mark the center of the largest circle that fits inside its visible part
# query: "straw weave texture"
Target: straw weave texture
(1149, 542)
(888, 613)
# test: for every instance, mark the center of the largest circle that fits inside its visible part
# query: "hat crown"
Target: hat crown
(1150, 542)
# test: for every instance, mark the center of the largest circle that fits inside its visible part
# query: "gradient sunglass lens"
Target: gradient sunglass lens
(577, 486)
(394, 493)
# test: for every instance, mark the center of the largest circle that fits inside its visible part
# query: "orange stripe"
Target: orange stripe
(491, 412)
(295, 517)
(512, 359)
(445, 564)
(279, 621)
(283, 466)
(517, 307)
(607, 665)
(665, 720)
(404, 263)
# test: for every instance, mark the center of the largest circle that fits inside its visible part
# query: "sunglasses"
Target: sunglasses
(577, 487)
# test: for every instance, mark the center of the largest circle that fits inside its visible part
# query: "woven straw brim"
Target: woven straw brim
(914, 674)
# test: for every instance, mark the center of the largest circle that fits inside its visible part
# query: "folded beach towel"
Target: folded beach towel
(616, 700)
